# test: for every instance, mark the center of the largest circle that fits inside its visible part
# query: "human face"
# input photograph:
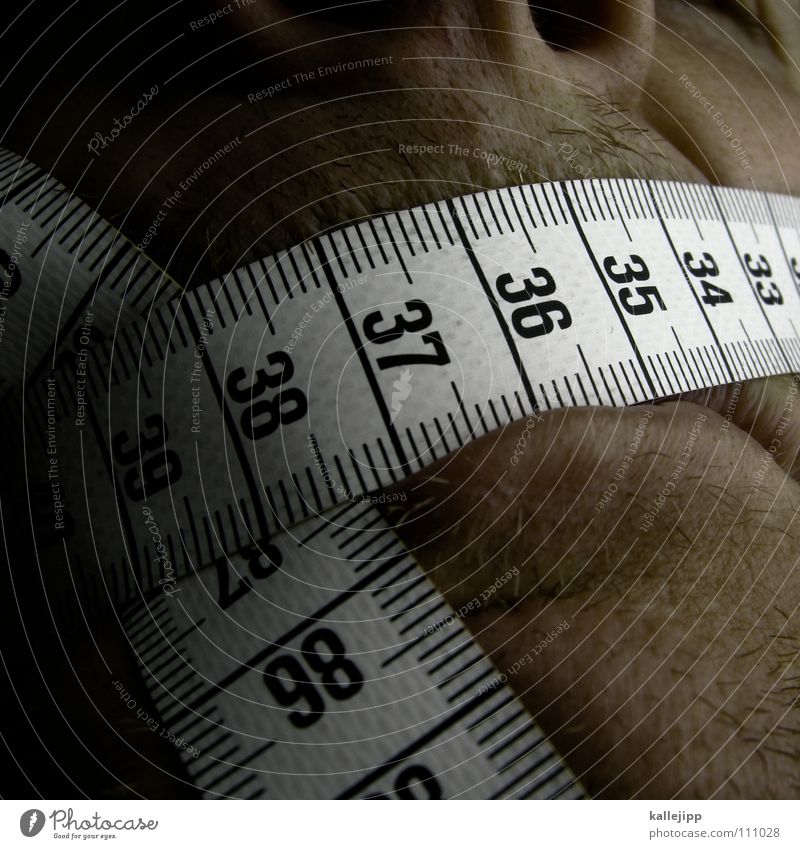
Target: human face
(676, 676)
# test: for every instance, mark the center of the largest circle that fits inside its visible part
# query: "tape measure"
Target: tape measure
(210, 468)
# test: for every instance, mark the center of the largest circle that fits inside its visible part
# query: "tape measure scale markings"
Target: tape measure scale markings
(222, 430)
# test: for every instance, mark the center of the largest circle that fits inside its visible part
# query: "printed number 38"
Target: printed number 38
(263, 416)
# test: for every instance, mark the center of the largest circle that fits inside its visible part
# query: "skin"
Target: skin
(678, 674)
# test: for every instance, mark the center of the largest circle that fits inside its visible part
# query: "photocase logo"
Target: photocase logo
(31, 822)
(402, 389)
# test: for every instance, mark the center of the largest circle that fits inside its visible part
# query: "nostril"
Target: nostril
(572, 24)
(352, 13)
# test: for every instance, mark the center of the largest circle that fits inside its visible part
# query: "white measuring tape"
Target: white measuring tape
(207, 468)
